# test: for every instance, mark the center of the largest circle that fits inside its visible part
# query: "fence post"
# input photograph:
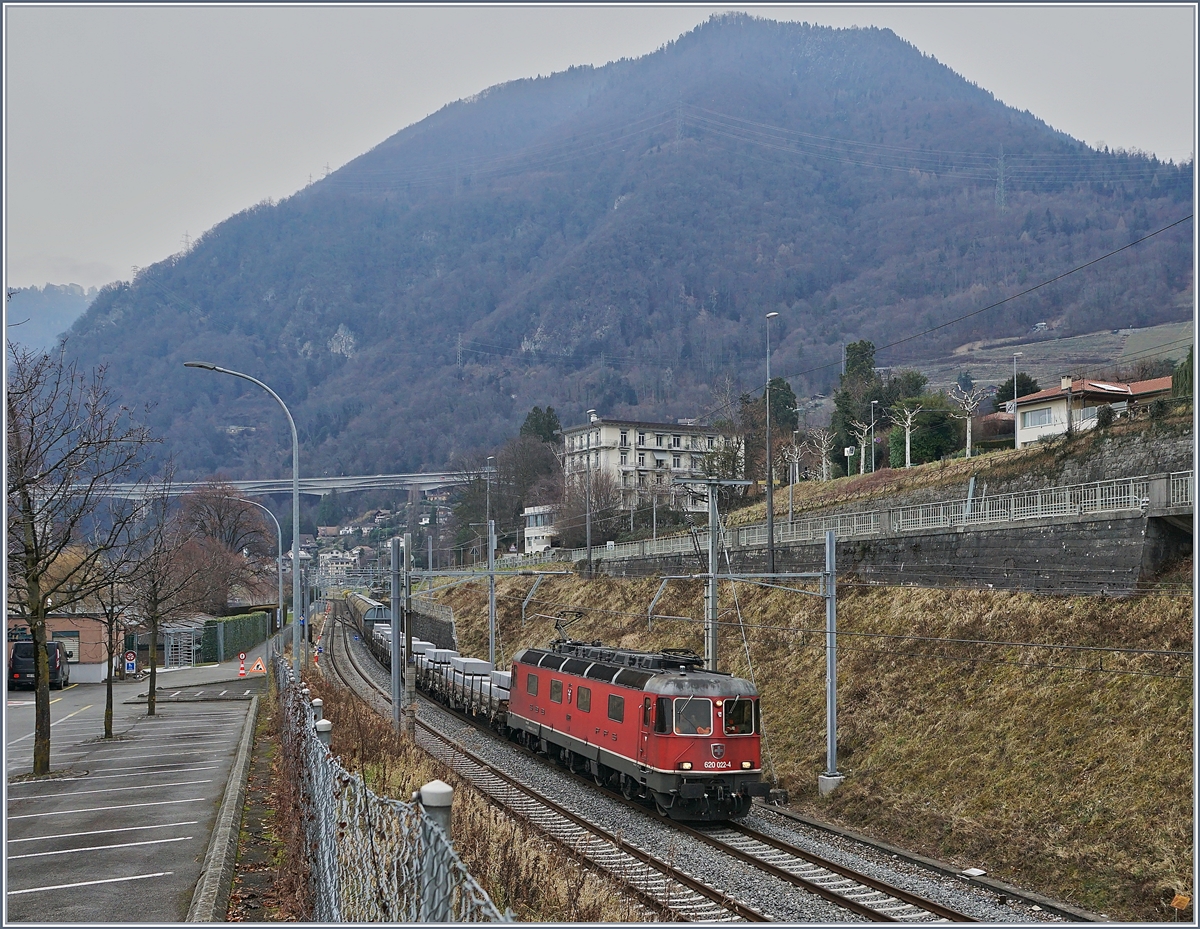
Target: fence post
(437, 799)
(318, 709)
(220, 642)
(324, 730)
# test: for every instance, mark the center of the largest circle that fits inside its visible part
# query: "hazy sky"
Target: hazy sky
(127, 127)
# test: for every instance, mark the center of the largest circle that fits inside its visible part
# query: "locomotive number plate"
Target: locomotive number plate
(718, 765)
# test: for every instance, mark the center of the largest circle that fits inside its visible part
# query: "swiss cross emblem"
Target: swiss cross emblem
(718, 751)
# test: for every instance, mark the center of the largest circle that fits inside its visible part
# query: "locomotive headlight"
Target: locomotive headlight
(747, 764)
(685, 765)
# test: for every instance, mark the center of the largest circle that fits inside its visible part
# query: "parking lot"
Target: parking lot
(120, 836)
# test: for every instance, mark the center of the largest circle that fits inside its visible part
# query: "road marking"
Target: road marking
(101, 809)
(110, 880)
(247, 692)
(104, 777)
(53, 724)
(103, 790)
(75, 835)
(177, 693)
(99, 848)
(199, 692)
(221, 694)
(34, 702)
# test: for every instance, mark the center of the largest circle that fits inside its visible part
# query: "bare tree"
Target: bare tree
(968, 402)
(236, 534)
(68, 444)
(605, 510)
(860, 431)
(169, 573)
(111, 602)
(905, 415)
(821, 442)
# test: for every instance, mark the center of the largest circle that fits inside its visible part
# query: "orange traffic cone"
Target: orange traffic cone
(242, 669)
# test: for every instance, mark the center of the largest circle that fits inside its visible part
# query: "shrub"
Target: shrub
(1105, 416)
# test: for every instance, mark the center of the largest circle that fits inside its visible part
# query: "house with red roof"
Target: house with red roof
(1046, 412)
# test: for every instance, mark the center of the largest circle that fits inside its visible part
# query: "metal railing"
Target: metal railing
(1047, 503)
(1182, 492)
(371, 859)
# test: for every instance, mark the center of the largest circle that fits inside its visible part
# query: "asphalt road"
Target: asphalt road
(121, 833)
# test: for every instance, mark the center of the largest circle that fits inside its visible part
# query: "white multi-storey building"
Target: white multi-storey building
(643, 459)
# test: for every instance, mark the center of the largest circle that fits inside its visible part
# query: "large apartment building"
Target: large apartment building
(643, 459)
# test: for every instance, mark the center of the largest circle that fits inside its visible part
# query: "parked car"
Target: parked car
(20, 665)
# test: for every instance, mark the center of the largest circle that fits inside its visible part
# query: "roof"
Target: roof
(652, 427)
(1112, 390)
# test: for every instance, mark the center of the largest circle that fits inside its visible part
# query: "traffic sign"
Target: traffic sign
(131, 667)
(258, 667)
(131, 656)
(241, 656)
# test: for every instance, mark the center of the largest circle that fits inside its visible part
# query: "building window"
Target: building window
(658, 440)
(624, 457)
(624, 438)
(676, 461)
(712, 441)
(641, 438)
(1034, 418)
(641, 459)
(675, 441)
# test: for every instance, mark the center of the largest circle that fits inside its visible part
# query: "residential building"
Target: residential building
(644, 459)
(539, 529)
(1044, 413)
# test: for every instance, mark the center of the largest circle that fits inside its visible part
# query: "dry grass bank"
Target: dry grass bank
(1066, 771)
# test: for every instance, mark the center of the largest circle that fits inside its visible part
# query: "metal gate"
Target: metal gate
(181, 645)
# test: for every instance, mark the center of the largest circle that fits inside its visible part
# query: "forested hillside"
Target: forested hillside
(37, 316)
(613, 237)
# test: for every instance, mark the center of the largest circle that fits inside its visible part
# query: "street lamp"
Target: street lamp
(770, 493)
(1016, 442)
(873, 402)
(279, 562)
(204, 365)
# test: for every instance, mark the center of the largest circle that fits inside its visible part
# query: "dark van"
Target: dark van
(20, 665)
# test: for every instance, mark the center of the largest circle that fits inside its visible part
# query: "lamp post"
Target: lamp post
(1016, 439)
(873, 403)
(204, 365)
(279, 563)
(770, 490)
(591, 415)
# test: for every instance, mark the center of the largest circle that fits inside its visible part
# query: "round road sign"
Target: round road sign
(131, 656)
(241, 656)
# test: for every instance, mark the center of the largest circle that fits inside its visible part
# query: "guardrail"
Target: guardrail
(1182, 488)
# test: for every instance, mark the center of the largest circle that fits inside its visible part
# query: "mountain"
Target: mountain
(37, 316)
(613, 237)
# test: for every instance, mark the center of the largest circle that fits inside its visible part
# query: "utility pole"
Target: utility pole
(831, 778)
(591, 414)
(491, 530)
(770, 476)
(410, 666)
(1001, 205)
(394, 549)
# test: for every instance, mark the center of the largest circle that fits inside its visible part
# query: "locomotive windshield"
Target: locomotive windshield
(693, 716)
(739, 716)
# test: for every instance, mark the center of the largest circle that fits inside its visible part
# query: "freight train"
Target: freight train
(657, 726)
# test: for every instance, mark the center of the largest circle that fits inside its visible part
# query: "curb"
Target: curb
(211, 897)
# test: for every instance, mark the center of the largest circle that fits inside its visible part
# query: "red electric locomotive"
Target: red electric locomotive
(658, 726)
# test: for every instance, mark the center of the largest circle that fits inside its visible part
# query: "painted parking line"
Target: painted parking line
(105, 790)
(110, 880)
(76, 835)
(99, 848)
(102, 809)
(107, 777)
(53, 724)
(197, 751)
(177, 693)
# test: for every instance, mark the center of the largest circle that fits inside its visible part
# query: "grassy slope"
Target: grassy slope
(869, 490)
(1072, 782)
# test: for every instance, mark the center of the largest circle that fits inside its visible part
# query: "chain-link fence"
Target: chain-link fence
(371, 859)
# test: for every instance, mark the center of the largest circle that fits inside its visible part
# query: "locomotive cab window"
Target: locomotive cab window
(555, 691)
(583, 699)
(531, 684)
(616, 708)
(693, 716)
(662, 715)
(739, 716)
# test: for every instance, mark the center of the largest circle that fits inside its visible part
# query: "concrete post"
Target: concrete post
(437, 799)
(410, 665)
(396, 629)
(324, 728)
(318, 706)
(831, 779)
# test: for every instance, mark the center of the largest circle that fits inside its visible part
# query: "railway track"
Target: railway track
(865, 896)
(656, 883)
